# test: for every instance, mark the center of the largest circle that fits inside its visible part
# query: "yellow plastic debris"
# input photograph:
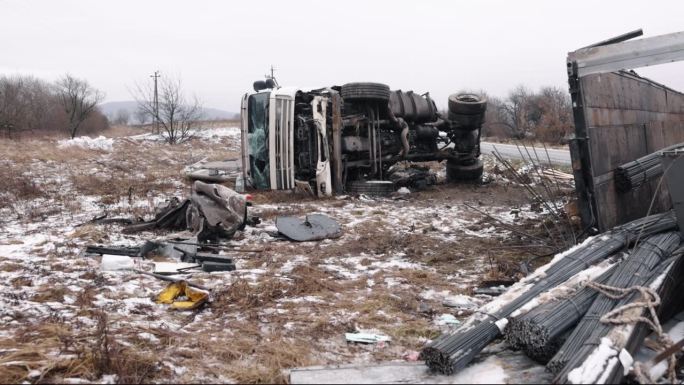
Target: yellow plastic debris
(194, 298)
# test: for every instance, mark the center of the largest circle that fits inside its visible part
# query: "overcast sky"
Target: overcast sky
(219, 48)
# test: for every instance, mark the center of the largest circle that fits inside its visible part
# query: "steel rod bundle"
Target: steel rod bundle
(541, 331)
(452, 351)
(668, 289)
(637, 172)
(635, 270)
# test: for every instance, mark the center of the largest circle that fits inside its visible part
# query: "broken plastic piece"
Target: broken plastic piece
(366, 338)
(173, 295)
(313, 227)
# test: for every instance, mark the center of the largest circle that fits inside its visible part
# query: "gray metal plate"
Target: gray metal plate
(313, 227)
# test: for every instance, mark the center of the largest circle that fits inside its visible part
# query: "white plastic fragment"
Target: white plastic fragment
(403, 191)
(501, 324)
(366, 338)
(626, 360)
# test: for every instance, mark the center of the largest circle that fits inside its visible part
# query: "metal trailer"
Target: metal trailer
(620, 116)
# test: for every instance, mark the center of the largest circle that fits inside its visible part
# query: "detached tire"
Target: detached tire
(365, 91)
(371, 187)
(465, 122)
(467, 104)
(464, 173)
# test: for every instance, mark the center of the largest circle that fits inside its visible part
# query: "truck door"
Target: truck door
(323, 175)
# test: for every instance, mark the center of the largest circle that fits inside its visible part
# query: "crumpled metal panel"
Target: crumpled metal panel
(313, 227)
(216, 208)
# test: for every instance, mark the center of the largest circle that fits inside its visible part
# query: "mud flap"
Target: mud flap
(313, 227)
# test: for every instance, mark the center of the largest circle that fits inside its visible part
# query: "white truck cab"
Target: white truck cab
(268, 144)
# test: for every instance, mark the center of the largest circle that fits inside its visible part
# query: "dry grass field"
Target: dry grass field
(289, 305)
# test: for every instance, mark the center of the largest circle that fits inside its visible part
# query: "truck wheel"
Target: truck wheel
(365, 91)
(371, 187)
(465, 122)
(459, 173)
(467, 104)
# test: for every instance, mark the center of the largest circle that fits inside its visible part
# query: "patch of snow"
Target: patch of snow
(116, 262)
(447, 319)
(99, 143)
(489, 371)
(594, 366)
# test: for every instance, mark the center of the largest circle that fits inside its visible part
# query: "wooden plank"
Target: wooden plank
(505, 367)
(626, 117)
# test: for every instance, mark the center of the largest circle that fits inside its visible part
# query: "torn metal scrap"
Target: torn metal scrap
(213, 211)
(169, 217)
(313, 227)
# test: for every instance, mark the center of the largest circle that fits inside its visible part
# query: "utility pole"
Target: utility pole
(272, 77)
(156, 102)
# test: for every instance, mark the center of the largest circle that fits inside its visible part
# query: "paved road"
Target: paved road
(510, 151)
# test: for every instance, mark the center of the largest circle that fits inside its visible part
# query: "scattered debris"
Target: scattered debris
(215, 172)
(314, 227)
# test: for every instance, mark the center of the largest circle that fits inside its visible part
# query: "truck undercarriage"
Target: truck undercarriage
(347, 138)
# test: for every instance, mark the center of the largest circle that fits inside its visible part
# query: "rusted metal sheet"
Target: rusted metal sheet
(620, 116)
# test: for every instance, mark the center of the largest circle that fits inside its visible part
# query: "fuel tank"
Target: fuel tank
(413, 107)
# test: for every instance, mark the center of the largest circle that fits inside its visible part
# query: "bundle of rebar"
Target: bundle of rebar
(452, 351)
(665, 280)
(633, 174)
(635, 270)
(541, 331)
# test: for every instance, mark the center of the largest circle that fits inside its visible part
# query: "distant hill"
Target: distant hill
(111, 108)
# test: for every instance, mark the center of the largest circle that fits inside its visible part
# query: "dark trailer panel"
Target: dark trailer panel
(619, 117)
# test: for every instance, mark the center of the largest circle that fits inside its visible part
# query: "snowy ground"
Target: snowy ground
(287, 306)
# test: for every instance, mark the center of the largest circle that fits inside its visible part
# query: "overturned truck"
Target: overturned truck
(346, 138)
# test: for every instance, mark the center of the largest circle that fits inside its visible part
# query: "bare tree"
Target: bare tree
(140, 116)
(176, 114)
(13, 105)
(122, 117)
(78, 99)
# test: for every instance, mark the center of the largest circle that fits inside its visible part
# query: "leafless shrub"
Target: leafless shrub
(175, 113)
(78, 99)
